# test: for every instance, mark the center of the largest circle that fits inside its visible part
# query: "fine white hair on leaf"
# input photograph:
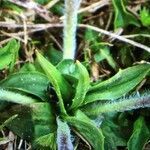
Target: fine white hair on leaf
(64, 141)
(134, 101)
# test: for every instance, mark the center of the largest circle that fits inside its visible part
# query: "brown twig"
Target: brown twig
(12, 36)
(39, 9)
(92, 8)
(40, 27)
(95, 6)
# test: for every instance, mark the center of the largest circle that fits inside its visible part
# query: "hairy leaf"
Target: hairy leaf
(113, 135)
(32, 122)
(33, 83)
(45, 142)
(139, 136)
(63, 136)
(13, 97)
(54, 76)
(82, 87)
(118, 85)
(120, 105)
(57, 80)
(87, 129)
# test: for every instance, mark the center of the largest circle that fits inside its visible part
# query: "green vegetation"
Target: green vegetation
(91, 92)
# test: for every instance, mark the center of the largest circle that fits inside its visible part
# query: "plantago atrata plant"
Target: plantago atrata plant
(55, 117)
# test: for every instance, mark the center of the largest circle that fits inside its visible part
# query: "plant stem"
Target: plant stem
(70, 26)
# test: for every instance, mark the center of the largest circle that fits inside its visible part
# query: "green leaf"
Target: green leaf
(62, 87)
(82, 87)
(32, 122)
(7, 121)
(14, 48)
(145, 16)
(118, 85)
(28, 67)
(139, 136)
(42, 2)
(45, 142)
(122, 16)
(13, 97)
(113, 135)
(87, 129)
(11, 6)
(104, 53)
(63, 136)
(5, 61)
(91, 36)
(100, 50)
(66, 67)
(33, 83)
(8, 54)
(131, 102)
(53, 55)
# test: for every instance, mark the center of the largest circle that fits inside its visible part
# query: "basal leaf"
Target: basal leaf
(139, 136)
(63, 136)
(131, 102)
(82, 87)
(118, 85)
(32, 122)
(33, 83)
(13, 97)
(113, 135)
(122, 16)
(87, 129)
(62, 87)
(54, 76)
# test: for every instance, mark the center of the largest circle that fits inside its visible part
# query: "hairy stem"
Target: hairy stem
(70, 26)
